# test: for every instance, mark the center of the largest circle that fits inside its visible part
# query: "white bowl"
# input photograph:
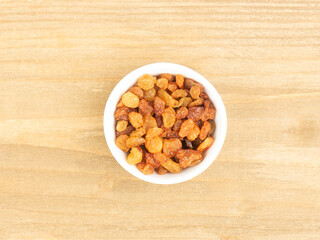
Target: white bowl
(155, 69)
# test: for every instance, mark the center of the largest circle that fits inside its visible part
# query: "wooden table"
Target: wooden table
(59, 61)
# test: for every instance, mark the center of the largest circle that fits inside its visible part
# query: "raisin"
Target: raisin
(121, 125)
(205, 144)
(159, 106)
(179, 80)
(149, 94)
(171, 102)
(179, 93)
(137, 91)
(162, 170)
(154, 145)
(120, 104)
(138, 132)
(150, 159)
(153, 132)
(187, 156)
(135, 142)
(182, 112)
(122, 113)
(167, 163)
(209, 111)
(185, 101)
(213, 127)
(141, 166)
(168, 76)
(196, 143)
(189, 83)
(168, 133)
(194, 134)
(171, 146)
(197, 102)
(134, 157)
(172, 86)
(162, 83)
(195, 92)
(177, 125)
(205, 129)
(169, 117)
(136, 119)
(121, 142)
(204, 96)
(149, 122)
(199, 123)
(145, 108)
(195, 163)
(148, 169)
(195, 113)
(186, 128)
(159, 121)
(130, 100)
(146, 81)
(187, 144)
(127, 131)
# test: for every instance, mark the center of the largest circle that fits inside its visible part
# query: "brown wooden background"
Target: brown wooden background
(59, 61)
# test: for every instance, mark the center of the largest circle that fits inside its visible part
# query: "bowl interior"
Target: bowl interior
(155, 69)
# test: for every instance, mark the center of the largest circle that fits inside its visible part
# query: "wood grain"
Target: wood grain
(59, 61)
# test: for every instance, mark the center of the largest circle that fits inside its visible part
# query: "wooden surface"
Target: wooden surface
(59, 61)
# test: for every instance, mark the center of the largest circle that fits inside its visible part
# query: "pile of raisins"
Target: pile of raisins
(166, 122)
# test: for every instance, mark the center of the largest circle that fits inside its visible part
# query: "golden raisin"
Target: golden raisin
(177, 125)
(168, 133)
(121, 125)
(195, 113)
(154, 145)
(168, 76)
(141, 166)
(130, 100)
(195, 92)
(205, 144)
(162, 83)
(171, 146)
(159, 106)
(194, 134)
(135, 142)
(122, 113)
(120, 104)
(189, 83)
(186, 128)
(185, 101)
(153, 132)
(146, 81)
(144, 107)
(187, 156)
(162, 170)
(137, 91)
(182, 112)
(167, 98)
(149, 122)
(148, 169)
(149, 94)
(209, 111)
(197, 102)
(139, 132)
(205, 129)
(172, 86)
(150, 159)
(134, 157)
(180, 80)
(179, 93)
(167, 163)
(169, 117)
(121, 142)
(136, 119)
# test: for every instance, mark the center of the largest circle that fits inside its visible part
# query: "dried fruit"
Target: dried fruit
(177, 125)
(135, 142)
(187, 156)
(141, 166)
(121, 142)
(209, 111)
(149, 122)
(169, 117)
(213, 127)
(205, 129)
(180, 80)
(197, 102)
(121, 125)
(134, 157)
(186, 128)
(196, 143)
(182, 113)
(130, 100)
(159, 106)
(187, 144)
(122, 113)
(195, 113)
(168, 76)
(145, 108)
(167, 163)
(149, 94)
(127, 131)
(195, 92)
(194, 134)
(137, 91)
(120, 104)
(146, 81)
(172, 86)
(150, 159)
(189, 83)
(205, 144)
(159, 121)
(179, 93)
(148, 169)
(167, 98)
(162, 170)
(168, 133)
(185, 101)
(138, 132)
(162, 83)
(136, 119)
(153, 132)
(171, 146)
(154, 145)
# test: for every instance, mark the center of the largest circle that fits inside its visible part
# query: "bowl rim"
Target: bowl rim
(154, 69)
